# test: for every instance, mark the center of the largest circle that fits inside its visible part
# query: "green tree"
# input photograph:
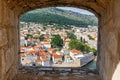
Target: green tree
(81, 39)
(59, 27)
(29, 36)
(41, 37)
(71, 35)
(36, 37)
(44, 28)
(90, 37)
(60, 17)
(87, 49)
(75, 44)
(84, 41)
(94, 51)
(56, 41)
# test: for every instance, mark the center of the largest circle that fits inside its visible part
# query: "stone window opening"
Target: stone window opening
(34, 66)
(107, 12)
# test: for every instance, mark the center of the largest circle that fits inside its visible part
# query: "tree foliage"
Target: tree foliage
(94, 51)
(75, 44)
(29, 36)
(71, 35)
(60, 17)
(56, 41)
(41, 37)
(90, 37)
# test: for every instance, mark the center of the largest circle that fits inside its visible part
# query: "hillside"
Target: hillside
(58, 16)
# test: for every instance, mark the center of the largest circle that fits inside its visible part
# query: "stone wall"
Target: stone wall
(109, 49)
(8, 42)
(108, 12)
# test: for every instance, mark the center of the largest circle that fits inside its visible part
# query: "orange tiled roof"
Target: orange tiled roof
(38, 60)
(57, 56)
(47, 42)
(45, 60)
(36, 46)
(43, 56)
(42, 53)
(75, 51)
(22, 47)
(50, 49)
(31, 51)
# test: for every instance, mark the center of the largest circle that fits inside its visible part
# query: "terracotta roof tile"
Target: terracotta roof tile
(75, 51)
(38, 60)
(57, 56)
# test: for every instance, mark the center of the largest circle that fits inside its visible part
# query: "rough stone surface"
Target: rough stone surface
(2, 64)
(9, 58)
(107, 11)
(56, 74)
(3, 37)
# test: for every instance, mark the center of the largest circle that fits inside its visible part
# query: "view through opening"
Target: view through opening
(58, 37)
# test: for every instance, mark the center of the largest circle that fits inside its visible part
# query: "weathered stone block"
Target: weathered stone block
(2, 64)
(11, 73)
(3, 37)
(9, 58)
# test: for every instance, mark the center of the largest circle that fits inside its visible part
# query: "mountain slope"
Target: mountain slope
(58, 16)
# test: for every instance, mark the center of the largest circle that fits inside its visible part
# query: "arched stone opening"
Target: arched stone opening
(106, 10)
(86, 41)
(59, 5)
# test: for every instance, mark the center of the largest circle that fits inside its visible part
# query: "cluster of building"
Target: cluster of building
(84, 33)
(34, 52)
